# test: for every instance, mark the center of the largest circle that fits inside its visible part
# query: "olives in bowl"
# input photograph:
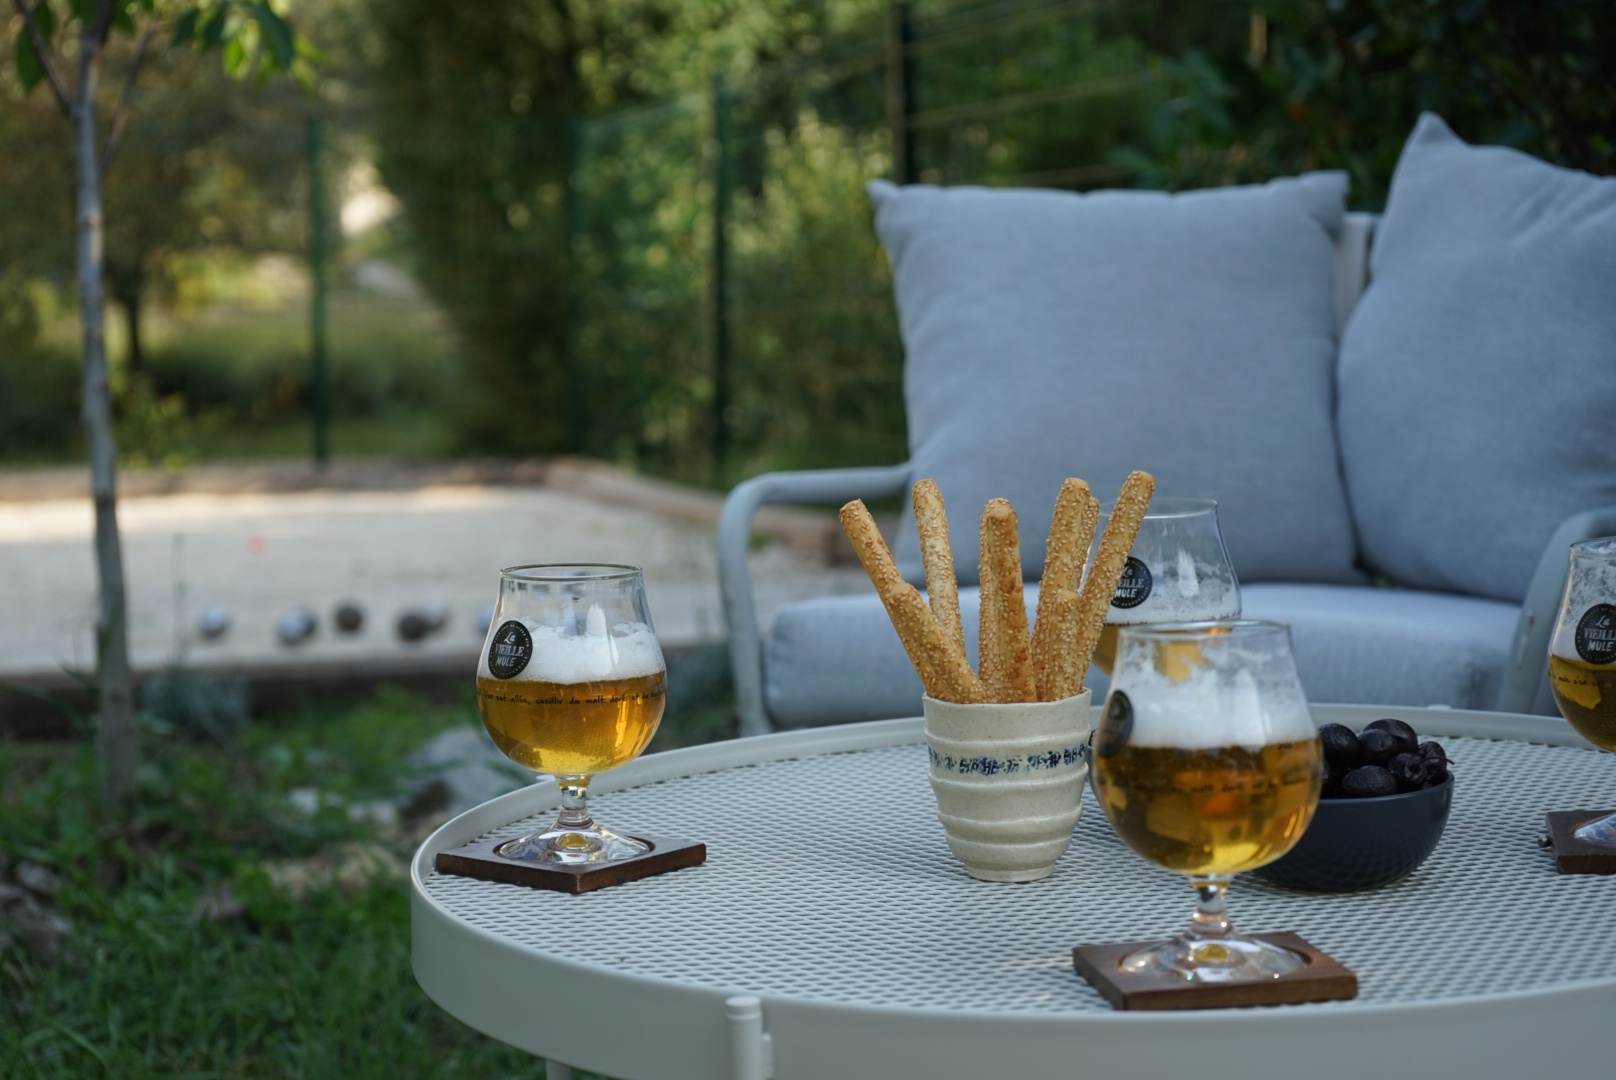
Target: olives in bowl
(1383, 808)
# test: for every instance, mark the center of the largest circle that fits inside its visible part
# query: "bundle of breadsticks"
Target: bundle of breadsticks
(1051, 662)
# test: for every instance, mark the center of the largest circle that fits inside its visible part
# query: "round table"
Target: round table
(831, 933)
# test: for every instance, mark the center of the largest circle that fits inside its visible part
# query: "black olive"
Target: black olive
(1408, 770)
(1367, 782)
(1376, 746)
(1432, 751)
(1407, 741)
(1340, 746)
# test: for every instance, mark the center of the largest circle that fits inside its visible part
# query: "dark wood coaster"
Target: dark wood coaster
(480, 860)
(1323, 978)
(1573, 856)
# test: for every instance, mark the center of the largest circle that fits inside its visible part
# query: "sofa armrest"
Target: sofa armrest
(734, 540)
(1528, 655)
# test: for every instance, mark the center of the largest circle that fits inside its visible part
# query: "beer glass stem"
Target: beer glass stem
(574, 805)
(1211, 919)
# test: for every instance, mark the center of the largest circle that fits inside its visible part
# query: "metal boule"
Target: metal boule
(296, 626)
(213, 622)
(349, 617)
(413, 626)
(418, 623)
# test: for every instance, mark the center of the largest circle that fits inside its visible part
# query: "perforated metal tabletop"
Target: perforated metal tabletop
(830, 895)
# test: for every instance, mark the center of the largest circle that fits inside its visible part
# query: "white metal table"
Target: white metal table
(832, 934)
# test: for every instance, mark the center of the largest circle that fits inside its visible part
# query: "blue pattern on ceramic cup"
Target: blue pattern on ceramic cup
(1008, 766)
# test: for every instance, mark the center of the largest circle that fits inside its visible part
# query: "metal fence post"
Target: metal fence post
(900, 91)
(718, 277)
(319, 376)
(580, 383)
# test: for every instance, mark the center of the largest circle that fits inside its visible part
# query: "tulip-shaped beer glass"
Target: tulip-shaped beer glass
(571, 682)
(1177, 571)
(1582, 658)
(1207, 762)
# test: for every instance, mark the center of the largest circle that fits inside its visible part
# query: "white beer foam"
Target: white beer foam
(628, 651)
(1213, 708)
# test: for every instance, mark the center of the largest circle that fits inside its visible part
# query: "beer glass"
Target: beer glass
(572, 683)
(1582, 657)
(1207, 763)
(1177, 571)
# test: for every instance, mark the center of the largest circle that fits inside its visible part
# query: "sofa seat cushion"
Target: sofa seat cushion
(1478, 373)
(1050, 334)
(1359, 645)
(837, 660)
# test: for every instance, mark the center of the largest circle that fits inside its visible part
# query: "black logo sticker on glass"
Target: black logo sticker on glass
(1596, 634)
(1116, 726)
(1134, 587)
(510, 650)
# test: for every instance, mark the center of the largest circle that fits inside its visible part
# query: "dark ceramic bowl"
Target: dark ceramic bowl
(1356, 844)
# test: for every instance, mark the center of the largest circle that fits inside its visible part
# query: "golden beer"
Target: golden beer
(572, 729)
(1586, 695)
(1211, 811)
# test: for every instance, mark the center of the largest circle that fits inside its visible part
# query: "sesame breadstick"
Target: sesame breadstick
(942, 587)
(942, 668)
(1005, 606)
(1109, 561)
(1063, 567)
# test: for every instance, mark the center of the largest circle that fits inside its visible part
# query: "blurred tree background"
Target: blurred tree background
(636, 229)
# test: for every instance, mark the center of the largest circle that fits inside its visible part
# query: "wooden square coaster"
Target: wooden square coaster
(1573, 856)
(480, 860)
(1323, 978)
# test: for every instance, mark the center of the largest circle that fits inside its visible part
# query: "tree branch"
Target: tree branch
(42, 52)
(124, 98)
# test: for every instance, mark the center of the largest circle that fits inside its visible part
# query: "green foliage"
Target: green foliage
(601, 321)
(299, 983)
(1343, 81)
(39, 386)
(472, 102)
(316, 984)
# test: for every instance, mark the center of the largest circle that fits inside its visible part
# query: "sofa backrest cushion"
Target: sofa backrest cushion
(1050, 334)
(1478, 373)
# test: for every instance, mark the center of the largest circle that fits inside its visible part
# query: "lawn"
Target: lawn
(211, 935)
(233, 380)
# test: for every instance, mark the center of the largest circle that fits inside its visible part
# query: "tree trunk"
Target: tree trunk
(116, 739)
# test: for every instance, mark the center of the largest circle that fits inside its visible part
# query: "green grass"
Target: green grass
(234, 381)
(310, 985)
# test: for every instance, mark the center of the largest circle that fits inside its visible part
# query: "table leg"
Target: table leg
(751, 1055)
(554, 1070)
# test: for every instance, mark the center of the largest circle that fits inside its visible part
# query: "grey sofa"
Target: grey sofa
(1400, 466)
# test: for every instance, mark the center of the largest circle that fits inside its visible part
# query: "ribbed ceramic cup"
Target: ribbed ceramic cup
(1009, 782)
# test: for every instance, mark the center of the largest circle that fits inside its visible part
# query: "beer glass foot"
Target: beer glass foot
(562, 845)
(1598, 831)
(1232, 959)
(1211, 950)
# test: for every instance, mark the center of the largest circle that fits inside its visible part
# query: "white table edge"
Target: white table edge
(496, 985)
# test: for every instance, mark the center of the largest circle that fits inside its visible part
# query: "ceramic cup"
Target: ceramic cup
(1009, 782)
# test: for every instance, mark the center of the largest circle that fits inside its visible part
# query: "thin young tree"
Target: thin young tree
(62, 45)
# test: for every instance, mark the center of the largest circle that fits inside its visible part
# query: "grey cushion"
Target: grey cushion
(838, 660)
(1478, 374)
(1359, 645)
(1050, 334)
